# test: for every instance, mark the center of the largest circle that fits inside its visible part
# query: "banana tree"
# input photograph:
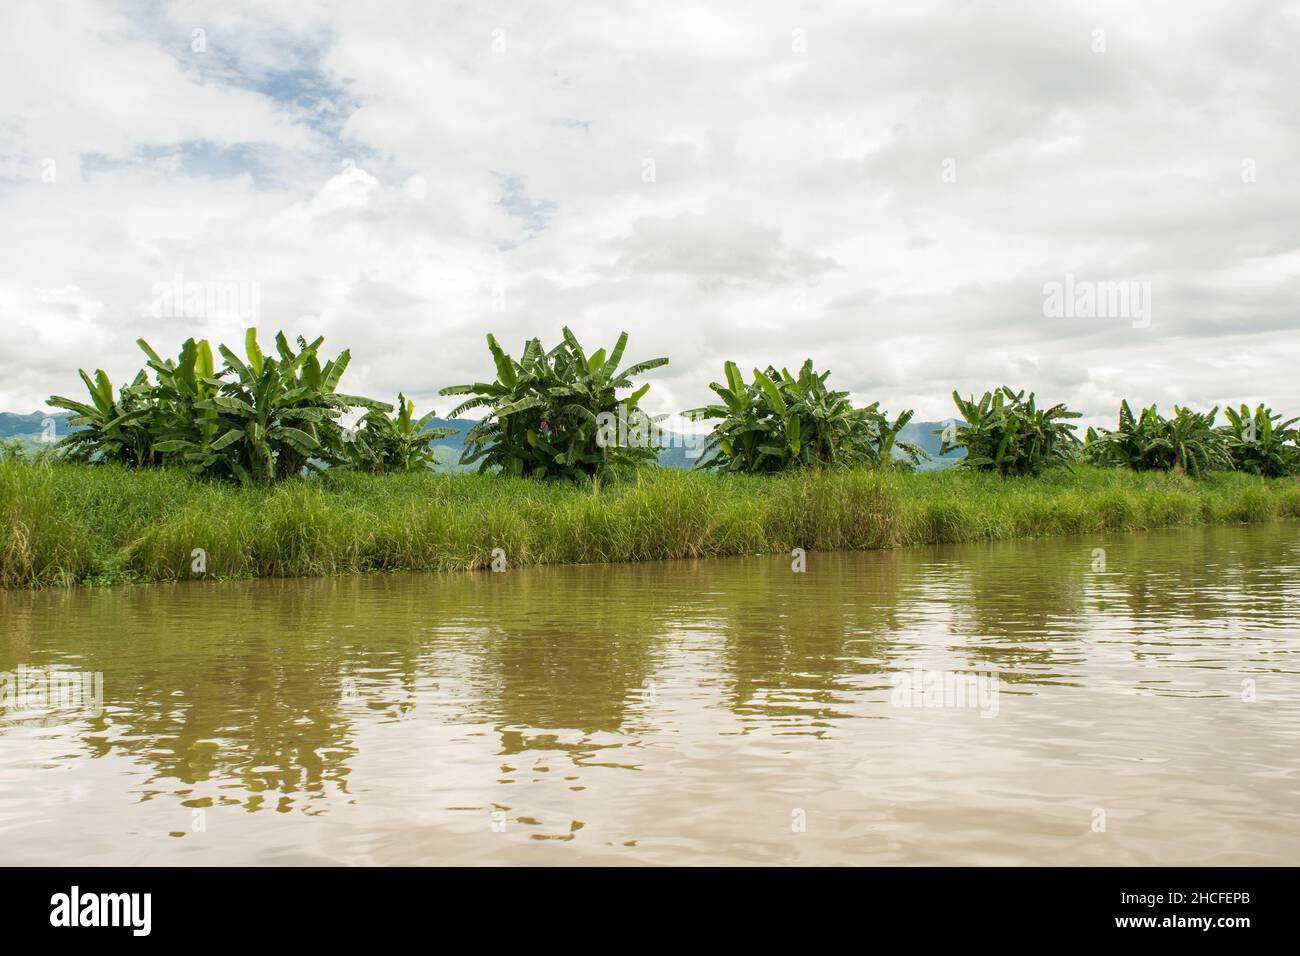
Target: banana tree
(1260, 443)
(548, 411)
(1197, 447)
(1187, 443)
(781, 421)
(1008, 433)
(181, 433)
(400, 443)
(110, 427)
(887, 440)
(277, 416)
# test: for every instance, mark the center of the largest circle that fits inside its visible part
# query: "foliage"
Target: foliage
(111, 427)
(1009, 434)
(65, 523)
(279, 414)
(779, 422)
(548, 411)
(11, 449)
(1261, 443)
(401, 443)
(262, 418)
(176, 427)
(259, 419)
(1187, 443)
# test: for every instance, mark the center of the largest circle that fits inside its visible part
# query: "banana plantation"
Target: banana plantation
(260, 418)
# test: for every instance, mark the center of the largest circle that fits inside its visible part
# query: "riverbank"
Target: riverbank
(71, 524)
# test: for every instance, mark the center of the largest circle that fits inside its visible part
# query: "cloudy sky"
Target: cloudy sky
(889, 191)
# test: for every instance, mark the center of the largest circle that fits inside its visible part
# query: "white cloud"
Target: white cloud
(714, 182)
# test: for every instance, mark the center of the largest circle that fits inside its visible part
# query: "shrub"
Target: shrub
(113, 428)
(1185, 444)
(1008, 433)
(258, 419)
(547, 411)
(400, 443)
(780, 422)
(1261, 443)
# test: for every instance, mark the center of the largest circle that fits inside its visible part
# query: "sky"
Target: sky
(1088, 200)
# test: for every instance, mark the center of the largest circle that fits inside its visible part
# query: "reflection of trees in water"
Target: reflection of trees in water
(1016, 606)
(1219, 575)
(575, 648)
(219, 682)
(263, 683)
(1027, 607)
(794, 643)
(267, 717)
(248, 683)
(570, 648)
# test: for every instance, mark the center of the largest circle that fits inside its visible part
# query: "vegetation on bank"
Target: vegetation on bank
(1258, 443)
(1007, 433)
(780, 422)
(548, 412)
(258, 419)
(250, 471)
(63, 523)
(557, 414)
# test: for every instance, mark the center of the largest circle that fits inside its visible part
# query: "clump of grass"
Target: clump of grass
(66, 523)
(838, 510)
(40, 542)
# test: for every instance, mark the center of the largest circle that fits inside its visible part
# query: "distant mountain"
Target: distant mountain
(926, 435)
(462, 425)
(13, 425)
(676, 455)
(29, 430)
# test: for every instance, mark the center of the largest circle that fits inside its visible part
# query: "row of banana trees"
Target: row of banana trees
(260, 418)
(548, 414)
(544, 415)
(1189, 442)
(1009, 433)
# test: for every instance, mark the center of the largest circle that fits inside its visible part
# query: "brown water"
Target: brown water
(724, 711)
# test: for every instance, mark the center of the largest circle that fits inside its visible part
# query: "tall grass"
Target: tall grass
(63, 523)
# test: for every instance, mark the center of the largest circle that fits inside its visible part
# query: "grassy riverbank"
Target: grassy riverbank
(68, 524)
